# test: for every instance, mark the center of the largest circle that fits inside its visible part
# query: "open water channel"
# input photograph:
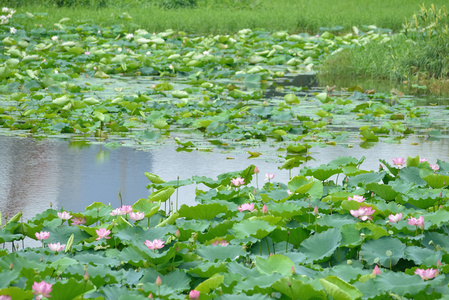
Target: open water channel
(35, 174)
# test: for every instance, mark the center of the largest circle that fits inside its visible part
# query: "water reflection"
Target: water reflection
(35, 173)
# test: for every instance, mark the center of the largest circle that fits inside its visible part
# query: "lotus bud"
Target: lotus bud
(292, 270)
(194, 294)
(150, 296)
(42, 259)
(376, 271)
(51, 205)
(265, 209)
(439, 264)
(256, 170)
(349, 262)
(315, 211)
(255, 192)
(372, 194)
(441, 195)
(86, 276)
(178, 233)
(271, 254)
(11, 266)
(158, 281)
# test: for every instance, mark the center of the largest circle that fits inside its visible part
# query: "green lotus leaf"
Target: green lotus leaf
(368, 135)
(208, 269)
(180, 94)
(293, 236)
(297, 289)
(403, 284)
(61, 264)
(412, 174)
(154, 178)
(274, 263)
(320, 246)
(202, 211)
(339, 289)
(382, 190)
(257, 228)
(437, 181)
(435, 239)
(286, 210)
(291, 99)
(350, 236)
(61, 101)
(16, 293)
(421, 198)
(348, 273)
(220, 253)
(301, 185)
(162, 195)
(146, 206)
(376, 251)
(322, 172)
(423, 256)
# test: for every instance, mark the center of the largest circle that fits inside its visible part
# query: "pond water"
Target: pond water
(35, 174)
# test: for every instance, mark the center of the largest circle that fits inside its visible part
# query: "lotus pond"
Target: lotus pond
(329, 230)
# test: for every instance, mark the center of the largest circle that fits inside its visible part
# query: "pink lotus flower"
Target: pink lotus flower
(56, 247)
(264, 209)
(423, 160)
(87, 53)
(103, 233)
(269, 176)
(399, 161)
(223, 243)
(64, 215)
(43, 235)
(363, 213)
(78, 221)
(136, 216)
(435, 167)
(427, 273)
(357, 198)
(246, 206)
(289, 192)
(416, 222)
(5, 297)
(376, 271)
(155, 244)
(41, 289)
(194, 294)
(395, 218)
(238, 181)
(116, 212)
(126, 209)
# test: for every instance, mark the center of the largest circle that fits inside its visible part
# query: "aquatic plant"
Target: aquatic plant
(305, 244)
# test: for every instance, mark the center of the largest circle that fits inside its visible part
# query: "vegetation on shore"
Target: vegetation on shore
(418, 55)
(216, 16)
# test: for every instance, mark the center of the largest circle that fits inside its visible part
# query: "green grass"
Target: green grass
(214, 16)
(419, 56)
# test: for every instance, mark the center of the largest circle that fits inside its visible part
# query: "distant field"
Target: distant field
(227, 16)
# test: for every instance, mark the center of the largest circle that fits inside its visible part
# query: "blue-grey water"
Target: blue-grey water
(35, 174)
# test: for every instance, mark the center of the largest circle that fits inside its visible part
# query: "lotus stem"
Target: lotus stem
(177, 188)
(268, 245)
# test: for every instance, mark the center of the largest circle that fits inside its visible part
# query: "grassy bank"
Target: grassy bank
(418, 56)
(229, 16)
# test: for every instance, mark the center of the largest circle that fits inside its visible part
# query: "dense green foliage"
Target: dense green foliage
(304, 239)
(420, 53)
(218, 16)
